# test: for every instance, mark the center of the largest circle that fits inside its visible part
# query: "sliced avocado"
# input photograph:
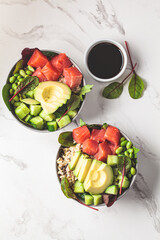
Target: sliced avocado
(22, 110)
(47, 117)
(65, 120)
(52, 126)
(88, 200)
(79, 164)
(35, 109)
(72, 113)
(99, 177)
(112, 190)
(84, 169)
(30, 94)
(52, 95)
(29, 101)
(125, 183)
(37, 122)
(97, 199)
(78, 187)
(112, 160)
(74, 160)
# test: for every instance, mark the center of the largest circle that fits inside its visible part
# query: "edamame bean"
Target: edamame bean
(123, 144)
(129, 175)
(119, 150)
(14, 86)
(11, 91)
(131, 155)
(21, 80)
(128, 145)
(19, 76)
(16, 98)
(122, 139)
(133, 171)
(28, 72)
(12, 79)
(30, 68)
(16, 74)
(121, 155)
(126, 154)
(16, 104)
(22, 73)
(130, 150)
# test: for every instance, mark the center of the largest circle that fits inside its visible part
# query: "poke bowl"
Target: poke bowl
(45, 90)
(96, 164)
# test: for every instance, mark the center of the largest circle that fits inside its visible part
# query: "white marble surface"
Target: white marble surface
(31, 203)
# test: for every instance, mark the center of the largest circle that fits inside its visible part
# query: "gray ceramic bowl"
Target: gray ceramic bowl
(119, 197)
(45, 130)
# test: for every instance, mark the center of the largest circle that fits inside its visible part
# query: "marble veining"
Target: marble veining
(18, 162)
(20, 227)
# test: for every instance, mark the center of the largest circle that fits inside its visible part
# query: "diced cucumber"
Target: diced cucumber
(22, 110)
(125, 183)
(52, 126)
(35, 109)
(64, 121)
(28, 118)
(72, 113)
(78, 187)
(30, 94)
(47, 117)
(113, 189)
(37, 122)
(88, 200)
(29, 101)
(112, 160)
(74, 160)
(97, 199)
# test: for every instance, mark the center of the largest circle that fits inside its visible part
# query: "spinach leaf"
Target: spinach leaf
(28, 84)
(94, 126)
(128, 163)
(113, 90)
(18, 66)
(60, 111)
(81, 123)
(136, 86)
(136, 150)
(26, 54)
(85, 89)
(66, 189)
(49, 54)
(6, 95)
(73, 102)
(66, 139)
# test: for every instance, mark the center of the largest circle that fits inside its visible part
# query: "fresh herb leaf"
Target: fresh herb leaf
(128, 164)
(66, 139)
(113, 90)
(18, 66)
(28, 84)
(105, 125)
(74, 102)
(85, 89)
(60, 111)
(49, 54)
(81, 123)
(136, 86)
(136, 150)
(6, 95)
(68, 192)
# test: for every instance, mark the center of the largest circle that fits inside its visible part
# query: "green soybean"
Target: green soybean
(121, 155)
(126, 154)
(16, 98)
(131, 155)
(128, 145)
(11, 91)
(22, 73)
(133, 171)
(12, 79)
(19, 76)
(130, 150)
(16, 74)
(14, 86)
(30, 68)
(16, 104)
(28, 72)
(122, 139)
(21, 80)
(123, 144)
(119, 150)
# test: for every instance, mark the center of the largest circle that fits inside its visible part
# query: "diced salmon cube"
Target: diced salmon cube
(80, 134)
(60, 62)
(90, 146)
(113, 135)
(38, 59)
(72, 77)
(98, 135)
(50, 72)
(103, 152)
(38, 73)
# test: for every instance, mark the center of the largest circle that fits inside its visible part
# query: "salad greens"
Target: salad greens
(66, 139)
(85, 89)
(73, 102)
(136, 86)
(18, 66)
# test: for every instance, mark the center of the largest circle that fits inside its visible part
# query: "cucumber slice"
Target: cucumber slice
(35, 109)
(112, 160)
(52, 126)
(22, 110)
(47, 117)
(72, 113)
(112, 190)
(88, 200)
(97, 199)
(64, 121)
(78, 187)
(37, 122)
(28, 118)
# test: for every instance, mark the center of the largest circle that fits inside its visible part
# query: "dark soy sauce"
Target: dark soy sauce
(105, 60)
